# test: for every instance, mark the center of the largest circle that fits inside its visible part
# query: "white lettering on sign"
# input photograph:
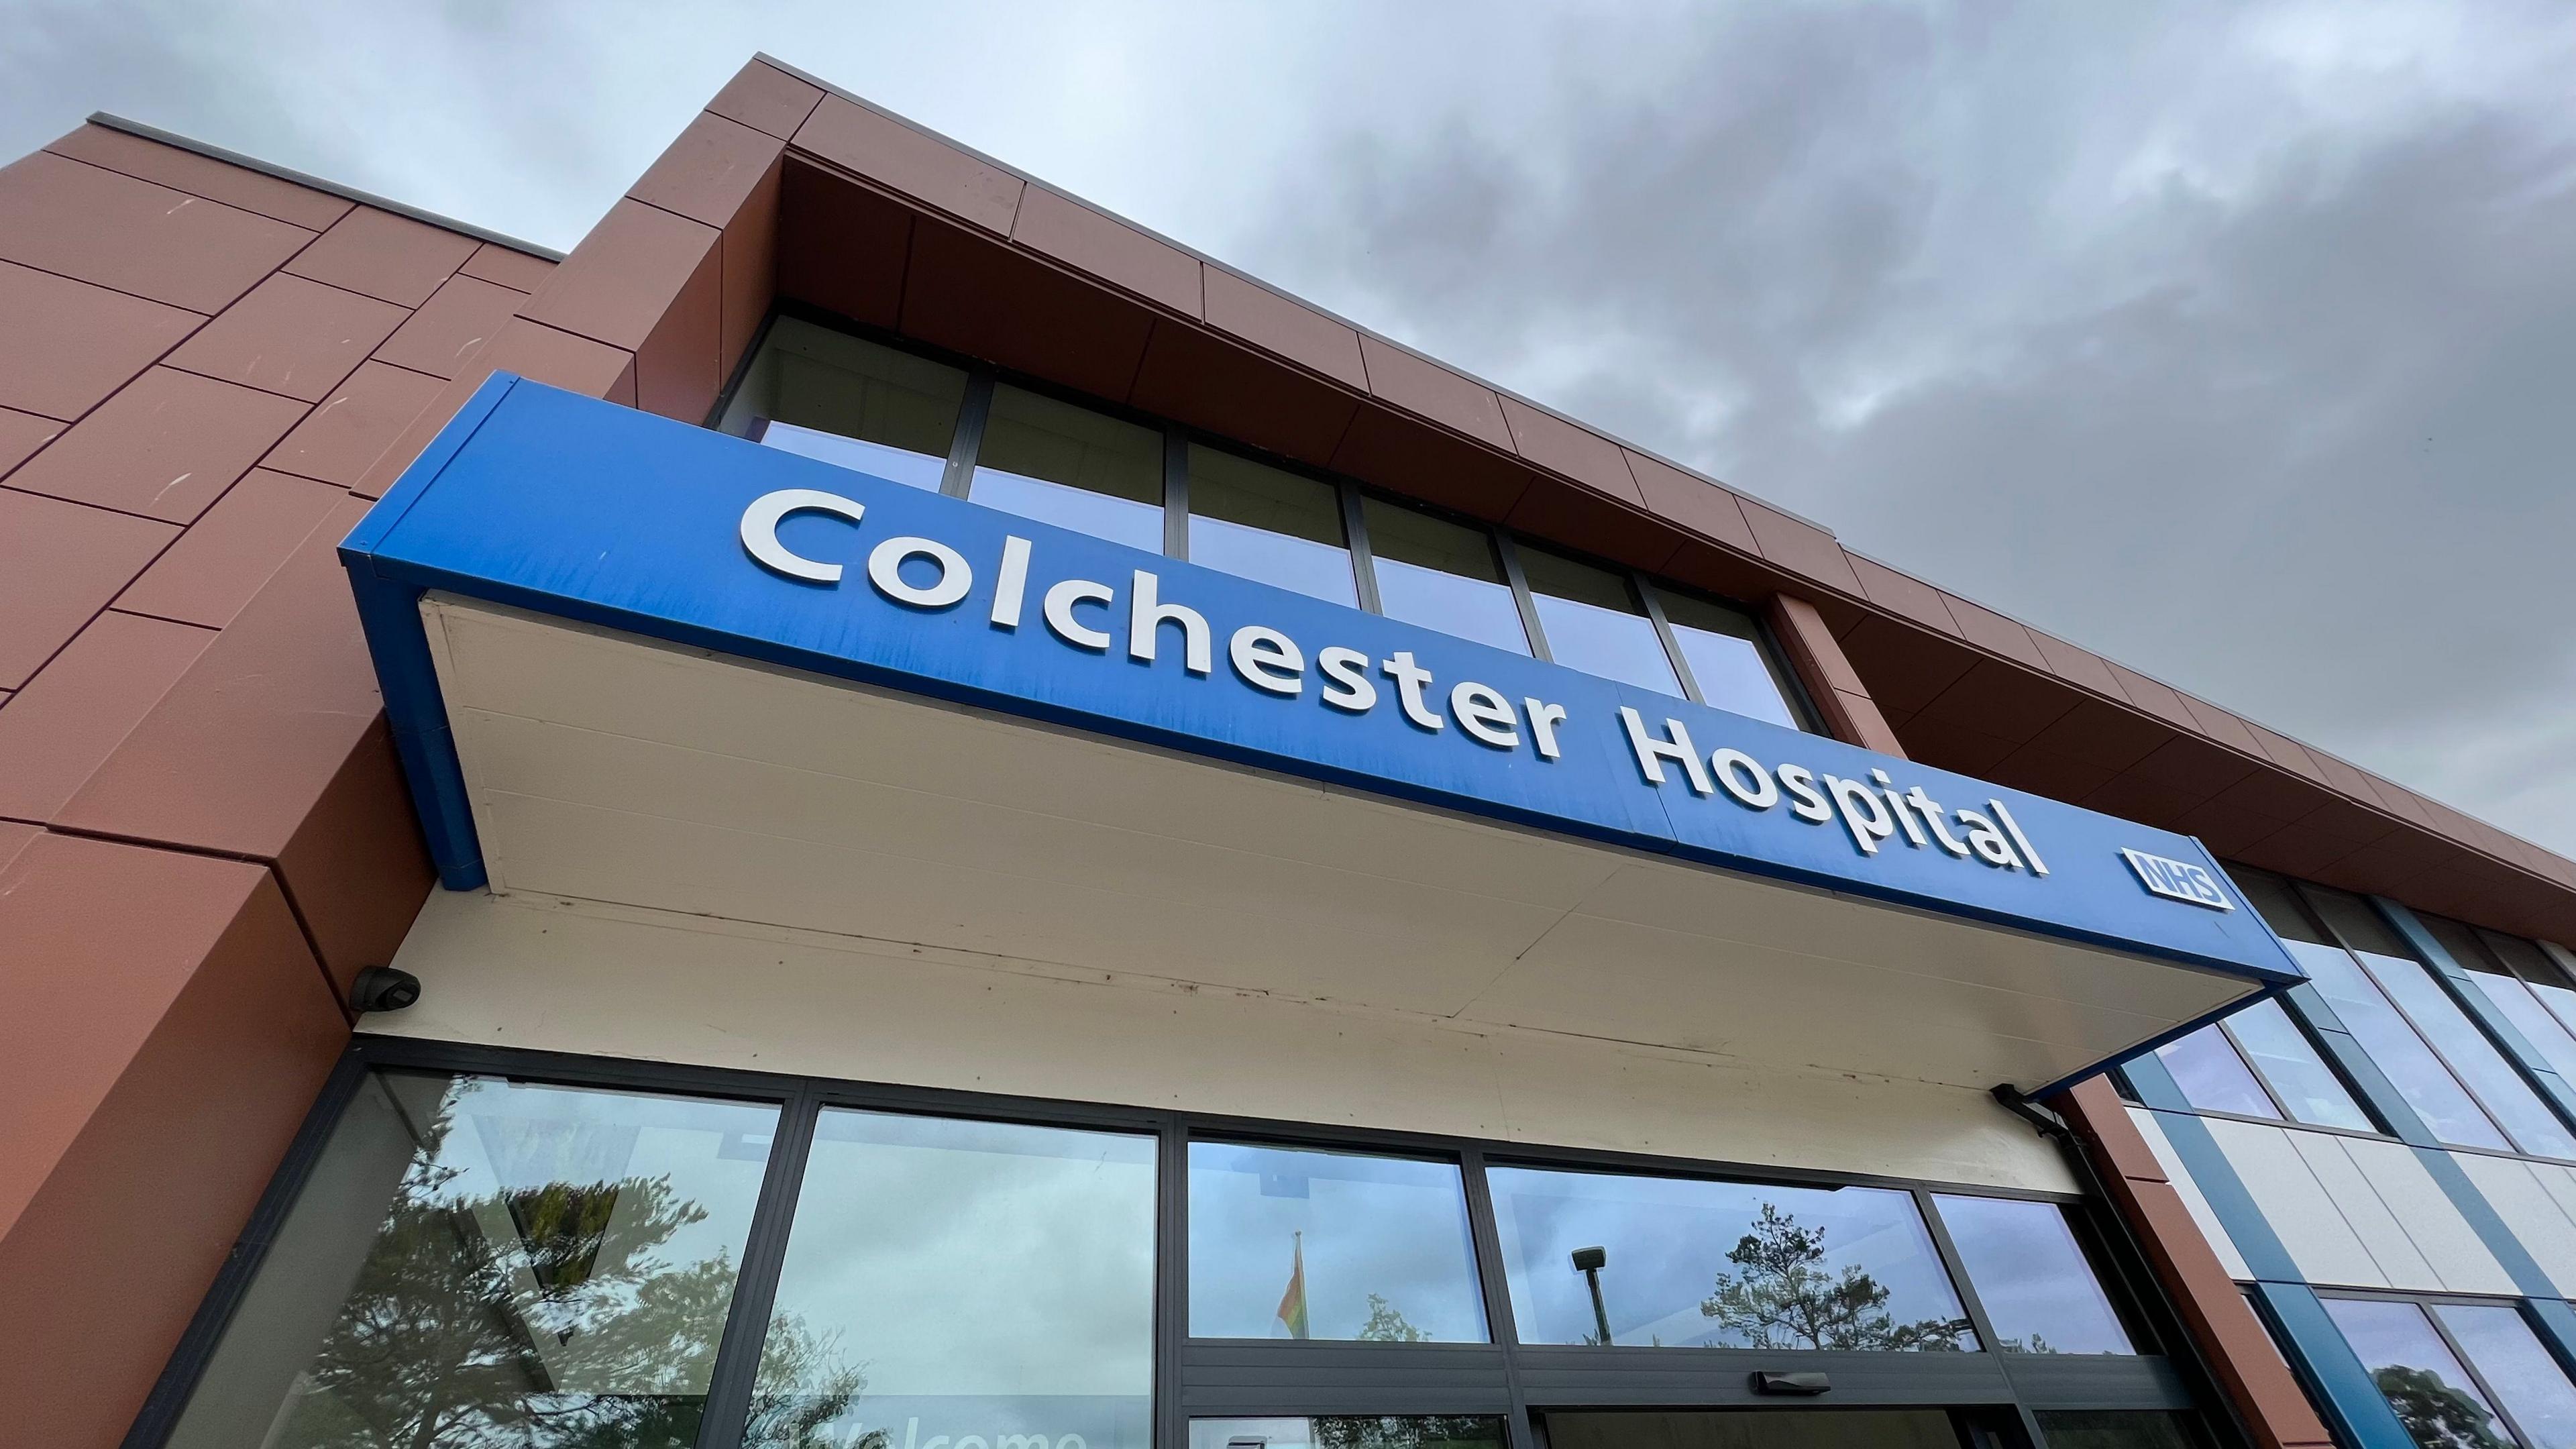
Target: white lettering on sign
(1875, 812)
(2178, 880)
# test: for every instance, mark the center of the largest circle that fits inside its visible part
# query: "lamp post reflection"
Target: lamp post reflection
(1589, 1262)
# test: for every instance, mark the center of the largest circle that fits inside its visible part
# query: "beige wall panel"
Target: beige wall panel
(626, 982)
(2297, 1206)
(2517, 1192)
(2192, 1199)
(2459, 1258)
(2401, 1265)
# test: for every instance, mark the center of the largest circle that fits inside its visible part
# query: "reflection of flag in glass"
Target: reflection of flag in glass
(1292, 1304)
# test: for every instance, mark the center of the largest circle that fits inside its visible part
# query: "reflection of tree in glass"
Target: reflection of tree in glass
(541, 1338)
(2033, 1344)
(1387, 1324)
(1780, 1296)
(1417, 1431)
(2436, 1415)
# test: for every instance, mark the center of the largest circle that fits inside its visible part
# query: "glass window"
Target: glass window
(1269, 524)
(2289, 1062)
(1593, 621)
(2500, 1346)
(2508, 1098)
(2416, 1372)
(2355, 921)
(1810, 1428)
(1682, 1262)
(1351, 1431)
(964, 1279)
(1723, 647)
(1071, 467)
(2278, 903)
(2393, 1046)
(478, 1261)
(2508, 991)
(2031, 1275)
(2213, 1077)
(847, 401)
(2540, 971)
(1291, 1243)
(2116, 1429)
(1441, 575)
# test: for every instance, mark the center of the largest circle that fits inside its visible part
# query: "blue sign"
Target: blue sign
(584, 510)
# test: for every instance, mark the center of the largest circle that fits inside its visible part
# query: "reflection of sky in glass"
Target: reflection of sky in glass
(1319, 569)
(2039, 1292)
(2392, 1337)
(1346, 1431)
(1372, 1225)
(914, 470)
(1605, 642)
(1120, 520)
(1668, 1240)
(1451, 603)
(2213, 1077)
(2530, 1018)
(2287, 1059)
(2393, 1046)
(2534, 1389)
(2506, 1095)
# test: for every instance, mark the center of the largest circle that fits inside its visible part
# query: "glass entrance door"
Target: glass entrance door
(1757, 1429)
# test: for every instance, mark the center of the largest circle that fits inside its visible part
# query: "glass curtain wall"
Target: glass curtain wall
(2504, 970)
(851, 403)
(2461, 1375)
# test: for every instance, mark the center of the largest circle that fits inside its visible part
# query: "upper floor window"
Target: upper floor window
(1723, 647)
(2257, 1063)
(850, 402)
(1269, 524)
(2032, 1277)
(2460, 1375)
(1292, 1242)
(2523, 983)
(1596, 621)
(1049, 460)
(1442, 575)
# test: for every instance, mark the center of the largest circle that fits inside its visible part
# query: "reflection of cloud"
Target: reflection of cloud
(1372, 1225)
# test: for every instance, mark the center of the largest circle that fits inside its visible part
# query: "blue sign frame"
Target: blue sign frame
(584, 510)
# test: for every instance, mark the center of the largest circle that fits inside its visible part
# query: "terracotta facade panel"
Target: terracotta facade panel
(1902, 594)
(1206, 382)
(60, 563)
(391, 258)
(766, 98)
(1800, 547)
(66, 345)
(2103, 734)
(2077, 665)
(2046, 772)
(274, 197)
(1587, 521)
(1100, 245)
(709, 170)
(2287, 753)
(338, 441)
(2004, 701)
(1906, 672)
(841, 247)
(1417, 385)
(510, 268)
(622, 280)
(1695, 503)
(2221, 726)
(216, 566)
(65, 722)
(2156, 699)
(1284, 326)
(748, 256)
(911, 163)
(1987, 629)
(1401, 455)
(166, 447)
(357, 869)
(290, 336)
(974, 295)
(76, 220)
(1571, 450)
(439, 339)
(558, 359)
(21, 434)
(677, 370)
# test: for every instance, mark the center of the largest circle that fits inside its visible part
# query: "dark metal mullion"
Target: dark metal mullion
(1355, 538)
(1171, 1283)
(1521, 596)
(1654, 607)
(764, 1252)
(2469, 1366)
(1975, 1307)
(972, 412)
(1520, 1430)
(2261, 1078)
(1176, 494)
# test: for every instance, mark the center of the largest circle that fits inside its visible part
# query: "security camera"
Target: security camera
(382, 988)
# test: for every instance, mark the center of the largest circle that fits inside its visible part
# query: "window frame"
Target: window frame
(2425, 1303)
(1200, 1378)
(975, 409)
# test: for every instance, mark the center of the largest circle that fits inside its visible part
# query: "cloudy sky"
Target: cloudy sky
(2236, 341)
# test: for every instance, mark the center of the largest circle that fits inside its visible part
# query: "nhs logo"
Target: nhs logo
(2178, 880)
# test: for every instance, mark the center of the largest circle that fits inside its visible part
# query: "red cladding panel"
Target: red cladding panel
(391, 258)
(236, 186)
(451, 326)
(78, 221)
(216, 566)
(166, 447)
(911, 163)
(59, 565)
(290, 336)
(64, 724)
(352, 428)
(65, 345)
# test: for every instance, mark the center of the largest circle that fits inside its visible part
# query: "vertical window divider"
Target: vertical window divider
(2254, 1069)
(1519, 1430)
(1519, 582)
(1176, 494)
(972, 411)
(2469, 1366)
(1654, 608)
(1171, 1281)
(1355, 537)
(1969, 1303)
(764, 1253)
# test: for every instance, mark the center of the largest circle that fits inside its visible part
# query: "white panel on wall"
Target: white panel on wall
(2459, 1258)
(2400, 1263)
(2519, 1194)
(2192, 1198)
(2302, 1213)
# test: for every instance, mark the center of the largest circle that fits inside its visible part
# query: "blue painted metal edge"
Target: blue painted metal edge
(2334, 1376)
(415, 707)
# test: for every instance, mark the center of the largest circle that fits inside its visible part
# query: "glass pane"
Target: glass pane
(964, 1279)
(2039, 1291)
(1071, 467)
(1683, 1263)
(2507, 1096)
(480, 1261)
(2116, 1429)
(1268, 524)
(851, 402)
(2289, 1061)
(2526, 960)
(2416, 1373)
(2277, 901)
(2520, 1004)
(2352, 918)
(1754, 1429)
(1724, 652)
(1593, 623)
(1289, 1243)
(2213, 1077)
(2464, 944)
(1351, 1431)
(1441, 575)
(2499, 1344)
(2393, 1046)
